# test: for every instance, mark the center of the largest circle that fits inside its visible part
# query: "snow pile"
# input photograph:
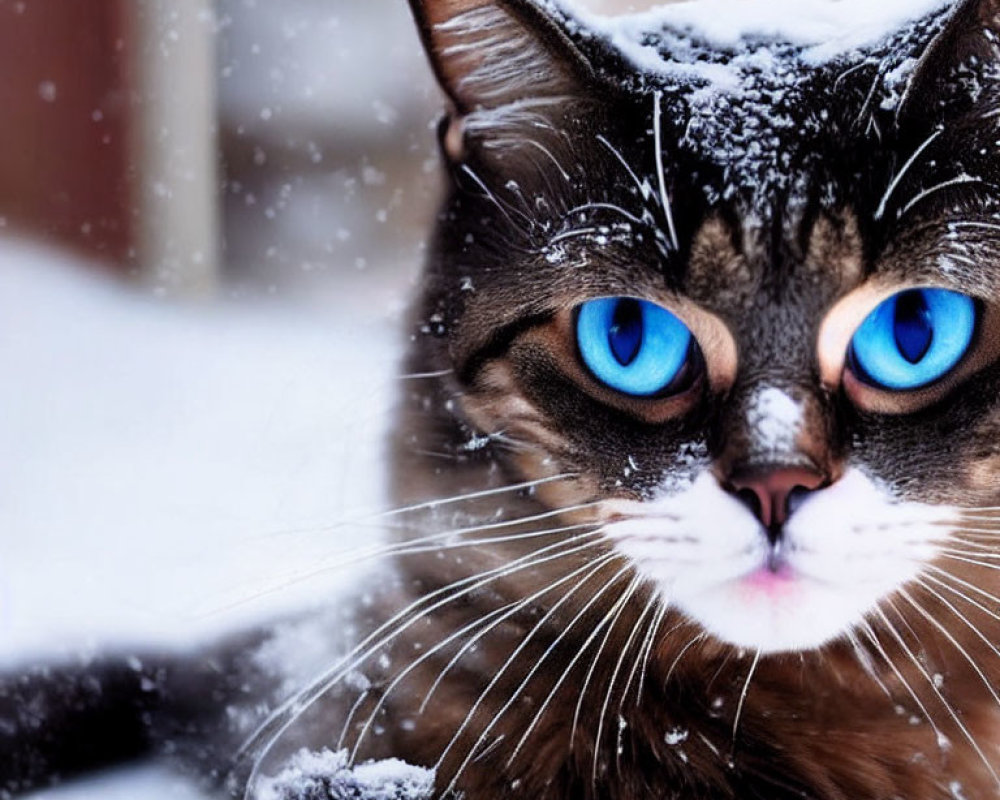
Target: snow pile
(752, 83)
(327, 775)
(821, 29)
(166, 467)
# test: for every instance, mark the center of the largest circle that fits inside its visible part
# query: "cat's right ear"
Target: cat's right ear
(494, 54)
(959, 64)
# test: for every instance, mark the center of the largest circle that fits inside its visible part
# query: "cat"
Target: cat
(697, 455)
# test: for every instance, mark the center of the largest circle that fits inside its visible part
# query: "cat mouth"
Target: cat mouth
(775, 578)
(776, 607)
(845, 551)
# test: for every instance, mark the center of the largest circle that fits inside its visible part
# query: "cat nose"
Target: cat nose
(774, 493)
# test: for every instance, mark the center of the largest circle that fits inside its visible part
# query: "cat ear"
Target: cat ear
(959, 64)
(489, 54)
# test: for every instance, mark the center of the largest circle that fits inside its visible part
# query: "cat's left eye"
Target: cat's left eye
(634, 347)
(913, 339)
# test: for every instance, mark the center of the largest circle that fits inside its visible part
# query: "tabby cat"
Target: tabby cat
(698, 454)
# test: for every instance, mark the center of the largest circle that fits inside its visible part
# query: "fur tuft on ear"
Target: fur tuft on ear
(492, 53)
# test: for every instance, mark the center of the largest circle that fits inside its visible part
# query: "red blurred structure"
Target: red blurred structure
(67, 105)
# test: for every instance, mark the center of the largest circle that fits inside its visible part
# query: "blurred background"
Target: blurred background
(211, 217)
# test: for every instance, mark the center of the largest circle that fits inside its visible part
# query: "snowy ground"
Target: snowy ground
(165, 466)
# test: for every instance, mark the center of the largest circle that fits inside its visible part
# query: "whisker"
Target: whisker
(484, 622)
(965, 584)
(650, 643)
(504, 208)
(576, 233)
(961, 179)
(302, 700)
(375, 516)
(967, 560)
(880, 211)
(524, 683)
(417, 376)
(962, 596)
(589, 568)
(873, 638)
(607, 207)
(548, 153)
(605, 620)
(596, 567)
(661, 175)
(975, 529)
(968, 599)
(864, 658)
(948, 635)
(477, 495)
(743, 695)
(677, 659)
(972, 549)
(400, 549)
(645, 190)
(602, 716)
(944, 701)
(983, 225)
(610, 618)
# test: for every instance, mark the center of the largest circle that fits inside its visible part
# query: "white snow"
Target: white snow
(163, 465)
(775, 419)
(326, 773)
(144, 783)
(826, 28)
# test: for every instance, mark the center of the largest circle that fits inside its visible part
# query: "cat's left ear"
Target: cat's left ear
(961, 66)
(491, 54)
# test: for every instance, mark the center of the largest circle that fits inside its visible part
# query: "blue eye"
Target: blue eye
(913, 338)
(633, 346)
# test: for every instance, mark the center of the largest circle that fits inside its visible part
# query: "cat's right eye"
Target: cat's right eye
(634, 346)
(913, 339)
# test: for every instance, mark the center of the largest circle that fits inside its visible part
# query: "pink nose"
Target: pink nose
(770, 492)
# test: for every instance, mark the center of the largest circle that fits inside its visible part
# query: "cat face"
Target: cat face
(739, 299)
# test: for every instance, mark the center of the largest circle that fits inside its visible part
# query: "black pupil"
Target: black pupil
(912, 326)
(625, 334)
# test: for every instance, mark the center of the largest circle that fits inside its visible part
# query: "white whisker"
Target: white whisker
(645, 190)
(650, 644)
(967, 560)
(590, 569)
(965, 584)
(303, 699)
(743, 695)
(605, 620)
(943, 700)
(524, 683)
(602, 715)
(661, 175)
(948, 635)
(594, 568)
(865, 660)
(873, 638)
(880, 211)
(961, 179)
(605, 207)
